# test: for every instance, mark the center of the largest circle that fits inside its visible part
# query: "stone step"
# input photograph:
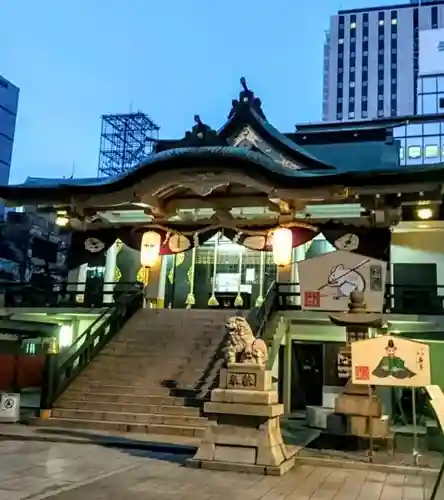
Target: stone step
(130, 418)
(146, 371)
(162, 386)
(160, 352)
(122, 427)
(168, 380)
(139, 362)
(127, 389)
(140, 399)
(185, 411)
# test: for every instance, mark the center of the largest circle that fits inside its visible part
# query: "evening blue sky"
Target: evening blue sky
(76, 60)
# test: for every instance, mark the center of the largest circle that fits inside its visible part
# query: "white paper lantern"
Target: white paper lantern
(282, 244)
(150, 248)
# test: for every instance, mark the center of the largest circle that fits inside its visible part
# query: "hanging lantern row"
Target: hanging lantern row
(150, 248)
(282, 245)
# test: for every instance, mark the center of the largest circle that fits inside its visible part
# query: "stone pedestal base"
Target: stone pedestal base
(245, 435)
(359, 408)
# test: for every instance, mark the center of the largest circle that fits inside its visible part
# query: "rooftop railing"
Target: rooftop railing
(85, 295)
(398, 299)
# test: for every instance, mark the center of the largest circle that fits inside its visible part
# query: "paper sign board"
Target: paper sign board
(390, 361)
(327, 281)
(10, 407)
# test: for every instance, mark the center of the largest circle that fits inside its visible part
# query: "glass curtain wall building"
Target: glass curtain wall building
(372, 60)
(421, 143)
(9, 95)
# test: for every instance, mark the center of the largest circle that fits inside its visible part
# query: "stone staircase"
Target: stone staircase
(151, 378)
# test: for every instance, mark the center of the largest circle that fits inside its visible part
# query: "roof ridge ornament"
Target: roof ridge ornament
(247, 101)
(200, 135)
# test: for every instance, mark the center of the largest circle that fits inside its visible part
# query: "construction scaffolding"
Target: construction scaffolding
(124, 141)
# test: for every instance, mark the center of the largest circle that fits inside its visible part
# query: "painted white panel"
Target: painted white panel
(419, 248)
(431, 52)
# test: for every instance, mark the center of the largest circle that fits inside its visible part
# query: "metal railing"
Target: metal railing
(398, 299)
(65, 294)
(259, 316)
(63, 367)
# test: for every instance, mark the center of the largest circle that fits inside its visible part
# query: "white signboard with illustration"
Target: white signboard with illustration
(390, 361)
(327, 281)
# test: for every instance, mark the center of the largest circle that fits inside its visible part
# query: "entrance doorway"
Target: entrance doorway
(307, 375)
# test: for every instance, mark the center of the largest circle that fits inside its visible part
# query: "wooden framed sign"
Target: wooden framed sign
(327, 281)
(390, 361)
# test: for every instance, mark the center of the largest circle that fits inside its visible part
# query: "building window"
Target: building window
(352, 26)
(414, 152)
(341, 41)
(415, 54)
(431, 150)
(434, 16)
(428, 85)
(431, 128)
(429, 104)
(413, 129)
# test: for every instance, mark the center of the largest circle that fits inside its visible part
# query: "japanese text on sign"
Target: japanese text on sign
(362, 372)
(312, 299)
(242, 380)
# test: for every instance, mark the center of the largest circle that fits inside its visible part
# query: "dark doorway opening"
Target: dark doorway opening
(307, 375)
(415, 288)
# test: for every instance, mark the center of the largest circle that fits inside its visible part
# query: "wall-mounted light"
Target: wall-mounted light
(424, 213)
(65, 336)
(62, 219)
(282, 243)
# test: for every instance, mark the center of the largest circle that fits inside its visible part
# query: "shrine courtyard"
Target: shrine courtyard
(61, 471)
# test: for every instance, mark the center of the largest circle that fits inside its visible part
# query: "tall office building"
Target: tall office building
(9, 95)
(385, 61)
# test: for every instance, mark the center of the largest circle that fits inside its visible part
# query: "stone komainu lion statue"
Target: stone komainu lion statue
(242, 345)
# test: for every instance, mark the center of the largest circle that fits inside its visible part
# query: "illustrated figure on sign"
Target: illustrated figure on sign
(345, 281)
(392, 365)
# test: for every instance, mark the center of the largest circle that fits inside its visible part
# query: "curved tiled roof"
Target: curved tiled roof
(248, 162)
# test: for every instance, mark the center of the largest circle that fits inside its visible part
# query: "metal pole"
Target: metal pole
(370, 425)
(415, 431)
(288, 358)
(146, 277)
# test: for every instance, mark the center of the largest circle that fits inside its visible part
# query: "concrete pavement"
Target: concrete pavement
(60, 471)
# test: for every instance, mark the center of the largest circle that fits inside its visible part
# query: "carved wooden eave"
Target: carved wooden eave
(245, 173)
